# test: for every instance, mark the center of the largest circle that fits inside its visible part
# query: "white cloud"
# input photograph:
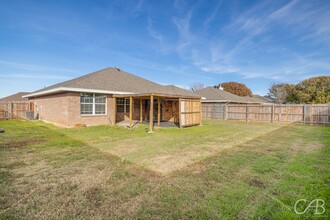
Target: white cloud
(163, 47)
(247, 46)
(183, 27)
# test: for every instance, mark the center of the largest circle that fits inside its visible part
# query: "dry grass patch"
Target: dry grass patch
(170, 149)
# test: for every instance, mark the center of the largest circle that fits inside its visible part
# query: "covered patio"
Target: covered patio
(156, 109)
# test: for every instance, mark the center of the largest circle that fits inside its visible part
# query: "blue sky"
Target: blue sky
(170, 42)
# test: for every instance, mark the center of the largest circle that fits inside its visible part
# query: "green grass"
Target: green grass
(227, 170)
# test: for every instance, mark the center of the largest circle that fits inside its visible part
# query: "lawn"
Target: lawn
(222, 170)
(170, 149)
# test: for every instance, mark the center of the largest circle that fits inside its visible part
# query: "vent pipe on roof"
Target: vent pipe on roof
(218, 87)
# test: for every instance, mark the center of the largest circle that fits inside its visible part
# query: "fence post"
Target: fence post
(226, 109)
(11, 110)
(304, 118)
(311, 119)
(280, 113)
(272, 114)
(246, 110)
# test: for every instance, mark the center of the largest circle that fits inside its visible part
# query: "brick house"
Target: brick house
(110, 96)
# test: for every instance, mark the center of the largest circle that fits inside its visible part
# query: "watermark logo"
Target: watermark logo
(302, 206)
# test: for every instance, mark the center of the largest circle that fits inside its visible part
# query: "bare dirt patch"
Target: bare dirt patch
(257, 183)
(20, 144)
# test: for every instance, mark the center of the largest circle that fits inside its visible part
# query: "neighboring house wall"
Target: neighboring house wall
(64, 109)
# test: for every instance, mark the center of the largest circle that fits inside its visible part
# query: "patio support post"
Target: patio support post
(130, 111)
(158, 112)
(151, 118)
(141, 109)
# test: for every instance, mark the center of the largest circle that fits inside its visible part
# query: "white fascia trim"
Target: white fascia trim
(69, 89)
(215, 100)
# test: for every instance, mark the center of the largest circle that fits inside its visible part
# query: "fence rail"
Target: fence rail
(306, 114)
(11, 110)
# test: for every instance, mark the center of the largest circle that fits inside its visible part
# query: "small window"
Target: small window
(92, 104)
(123, 105)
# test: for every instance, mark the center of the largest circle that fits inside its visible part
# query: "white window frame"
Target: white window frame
(126, 110)
(106, 104)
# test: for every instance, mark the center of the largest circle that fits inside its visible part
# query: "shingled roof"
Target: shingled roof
(113, 81)
(17, 97)
(262, 99)
(211, 94)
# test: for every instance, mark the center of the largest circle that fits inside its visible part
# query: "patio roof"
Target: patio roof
(146, 95)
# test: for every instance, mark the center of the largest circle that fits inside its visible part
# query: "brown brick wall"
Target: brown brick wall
(64, 109)
(52, 108)
(136, 112)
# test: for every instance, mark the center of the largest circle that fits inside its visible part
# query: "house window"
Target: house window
(123, 105)
(92, 104)
(100, 103)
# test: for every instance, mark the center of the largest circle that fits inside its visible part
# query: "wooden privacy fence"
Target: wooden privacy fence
(11, 110)
(291, 113)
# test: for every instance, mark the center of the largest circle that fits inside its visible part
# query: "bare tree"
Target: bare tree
(279, 92)
(196, 86)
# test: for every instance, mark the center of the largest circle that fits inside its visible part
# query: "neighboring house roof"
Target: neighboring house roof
(211, 94)
(262, 99)
(172, 89)
(17, 97)
(112, 81)
(271, 99)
